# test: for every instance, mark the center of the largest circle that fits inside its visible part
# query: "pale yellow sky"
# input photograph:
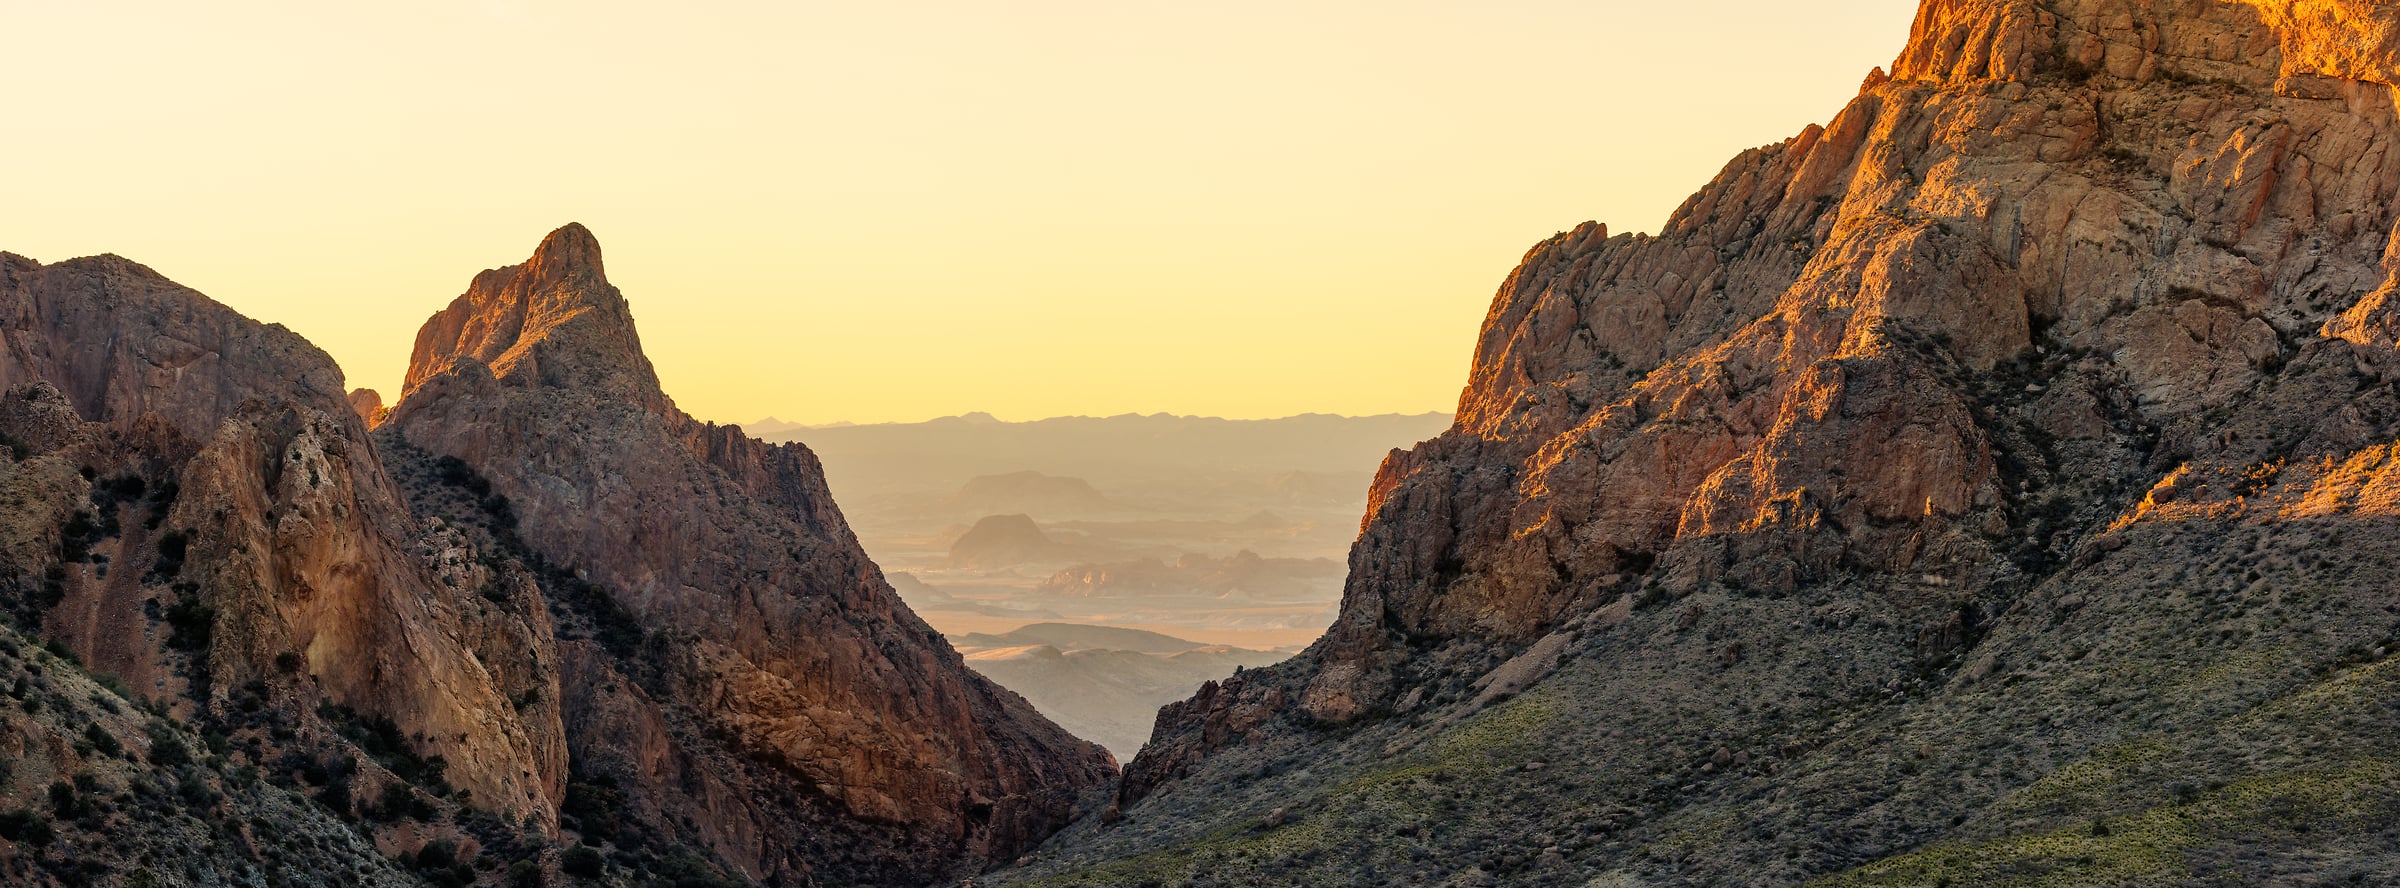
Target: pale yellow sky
(878, 211)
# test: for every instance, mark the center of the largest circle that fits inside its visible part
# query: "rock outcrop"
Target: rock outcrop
(744, 675)
(197, 517)
(368, 404)
(235, 438)
(1889, 423)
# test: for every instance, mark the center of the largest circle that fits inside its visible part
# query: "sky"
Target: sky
(892, 211)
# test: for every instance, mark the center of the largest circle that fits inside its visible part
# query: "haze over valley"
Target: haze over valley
(1230, 538)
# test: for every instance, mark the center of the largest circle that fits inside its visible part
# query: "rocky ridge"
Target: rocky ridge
(1998, 462)
(198, 518)
(540, 626)
(750, 681)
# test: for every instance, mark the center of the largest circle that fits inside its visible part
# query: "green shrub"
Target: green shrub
(76, 538)
(195, 791)
(336, 796)
(398, 802)
(583, 862)
(596, 808)
(192, 625)
(166, 747)
(438, 864)
(66, 803)
(173, 546)
(437, 854)
(525, 874)
(27, 827)
(102, 741)
(381, 739)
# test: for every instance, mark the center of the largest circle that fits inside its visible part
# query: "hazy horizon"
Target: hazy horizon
(1149, 414)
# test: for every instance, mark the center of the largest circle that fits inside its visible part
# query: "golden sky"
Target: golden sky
(877, 211)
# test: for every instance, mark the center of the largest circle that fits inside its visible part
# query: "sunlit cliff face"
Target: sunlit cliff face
(2348, 39)
(1753, 384)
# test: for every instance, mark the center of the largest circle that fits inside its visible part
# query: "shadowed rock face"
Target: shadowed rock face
(777, 693)
(158, 413)
(2075, 283)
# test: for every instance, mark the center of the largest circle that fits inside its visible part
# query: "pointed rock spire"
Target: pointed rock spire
(843, 740)
(569, 254)
(553, 320)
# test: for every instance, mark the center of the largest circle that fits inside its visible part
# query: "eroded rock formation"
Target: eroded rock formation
(234, 438)
(1882, 413)
(197, 523)
(752, 680)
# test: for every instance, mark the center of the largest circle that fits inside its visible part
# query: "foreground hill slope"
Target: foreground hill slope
(1990, 487)
(732, 663)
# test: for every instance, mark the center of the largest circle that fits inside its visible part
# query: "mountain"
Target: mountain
(1990, 487)
(1074, 637)
(1149, 457)
(736, 674)
(237, 657)
(1031, 492)
(1004, 540)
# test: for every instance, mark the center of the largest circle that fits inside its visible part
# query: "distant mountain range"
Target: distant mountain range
(1127, 456)
(776, 429)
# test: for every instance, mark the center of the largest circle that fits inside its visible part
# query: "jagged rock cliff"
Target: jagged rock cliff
(1986, 487)
(734, 665)
(541, 614)
(196, 514)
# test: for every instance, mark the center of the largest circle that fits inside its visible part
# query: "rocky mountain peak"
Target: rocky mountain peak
(553, 320)
(792, 716)
(568, 254)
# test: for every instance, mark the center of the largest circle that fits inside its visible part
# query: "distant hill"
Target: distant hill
(1002, 540)
(1029, 492)
(1077, 637)
(1121, 454)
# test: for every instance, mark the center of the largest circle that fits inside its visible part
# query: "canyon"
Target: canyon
(1994, 485)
